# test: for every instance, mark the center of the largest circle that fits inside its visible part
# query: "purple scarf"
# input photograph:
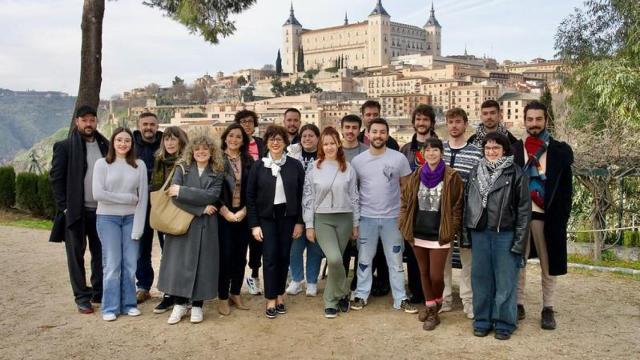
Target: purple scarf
(430, 178)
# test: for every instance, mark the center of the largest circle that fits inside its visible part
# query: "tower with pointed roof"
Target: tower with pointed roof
(378, 36)
(433, 32)
(291, 31)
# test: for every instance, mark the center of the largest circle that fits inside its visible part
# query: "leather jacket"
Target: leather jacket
(508, 207)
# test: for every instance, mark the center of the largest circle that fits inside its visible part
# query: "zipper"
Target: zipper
(501, 206)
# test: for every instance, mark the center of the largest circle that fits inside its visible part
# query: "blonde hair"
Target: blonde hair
(215, 161)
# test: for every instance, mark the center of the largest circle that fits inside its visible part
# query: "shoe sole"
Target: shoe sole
(543, 327)
(196, 321)
(161, 311)
(411, 311)
(330, 316)
(356, 307)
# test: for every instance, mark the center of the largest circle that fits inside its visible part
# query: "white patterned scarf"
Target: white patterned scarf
(274, 165)
(481, 133)
(489, 172)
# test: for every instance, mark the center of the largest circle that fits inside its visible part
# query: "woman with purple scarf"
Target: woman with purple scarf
(430, 218)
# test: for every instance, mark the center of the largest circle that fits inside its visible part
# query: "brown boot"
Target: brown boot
(223, 307)
(422, 315)
(236, 300)
(432, 318)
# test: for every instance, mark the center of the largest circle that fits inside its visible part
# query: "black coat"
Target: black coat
(261, 190)
(146, 151)
(229, 183)
(68, 168)
(558, 196)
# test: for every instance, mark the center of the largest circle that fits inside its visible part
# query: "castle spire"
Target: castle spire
(292, 18)
(432, 18)
(379, 10)
(346, 20)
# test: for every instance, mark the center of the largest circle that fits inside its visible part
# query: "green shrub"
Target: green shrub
(631, 238)
(27, 193)
(45, 194)
(583, 237)
(7, 187)
(608, 255)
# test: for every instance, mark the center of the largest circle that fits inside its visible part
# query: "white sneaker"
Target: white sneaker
(312, 289)
(446, 307)
(196, 314)
(294, 288)
(108, 316)
(134, 312)
(253, 285)
(176, 315)
(468, 309)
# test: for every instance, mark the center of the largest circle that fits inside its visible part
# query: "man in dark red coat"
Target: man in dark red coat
(547, 162)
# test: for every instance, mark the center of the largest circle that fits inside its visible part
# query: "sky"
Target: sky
(40, 41)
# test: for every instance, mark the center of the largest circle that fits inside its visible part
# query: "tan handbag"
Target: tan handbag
(165, 216)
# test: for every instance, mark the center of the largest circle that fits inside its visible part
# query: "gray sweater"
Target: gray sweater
(341, 197)
(120, 189)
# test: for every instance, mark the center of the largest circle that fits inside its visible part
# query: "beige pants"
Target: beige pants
(466, 294)
(536, 231)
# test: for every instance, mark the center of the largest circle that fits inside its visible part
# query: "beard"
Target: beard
(87, 131)
(534, 131)
(378, 143)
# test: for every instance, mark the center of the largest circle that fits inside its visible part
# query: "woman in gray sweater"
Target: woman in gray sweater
(120, 188)
(331, 211)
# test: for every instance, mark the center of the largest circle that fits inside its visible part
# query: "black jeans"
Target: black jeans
(144, 271)
(75, 245)
(234, 239)
(276, 250)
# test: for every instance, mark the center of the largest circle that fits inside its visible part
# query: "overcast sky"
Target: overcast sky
(40, 41)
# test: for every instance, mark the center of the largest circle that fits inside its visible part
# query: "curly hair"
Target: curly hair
(215, 161)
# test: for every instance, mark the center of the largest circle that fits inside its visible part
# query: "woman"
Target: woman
(190, 262)
(331, 212)
(496, 222)
(174, 140)
(430, 218)
(120, 188)
(274, 195)
(234, 232)
(306, 152)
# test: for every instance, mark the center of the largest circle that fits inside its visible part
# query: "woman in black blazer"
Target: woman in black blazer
(274, 211)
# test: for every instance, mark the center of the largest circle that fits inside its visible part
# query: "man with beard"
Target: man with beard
(491, 122)
(147, 141)
(380, 171)
(371, 110)
(71, 182)
(350, 127)
(463, 157)
(291, 122)
(547, 162)
(423, 120)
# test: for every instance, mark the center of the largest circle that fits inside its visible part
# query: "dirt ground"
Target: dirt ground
(598, 318)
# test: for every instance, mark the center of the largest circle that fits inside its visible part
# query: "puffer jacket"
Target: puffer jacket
(508, 207)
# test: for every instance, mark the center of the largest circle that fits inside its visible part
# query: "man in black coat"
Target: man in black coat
(491, 122)
(147, 141)
(547, 162)
(71, 181)
(371, 110)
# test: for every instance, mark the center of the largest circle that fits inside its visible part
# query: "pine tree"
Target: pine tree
(300, 67)
(278, 64)
(547, 100)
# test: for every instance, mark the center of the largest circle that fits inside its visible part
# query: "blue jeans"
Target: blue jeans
(314, 258)
(393, 245)
(494, 280)
(119, 258)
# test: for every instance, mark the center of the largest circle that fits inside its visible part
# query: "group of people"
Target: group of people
(335, 194)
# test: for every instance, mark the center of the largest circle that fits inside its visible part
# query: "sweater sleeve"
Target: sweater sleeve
(354, 196)
(308, 197)
(140, 215)
(99, 184)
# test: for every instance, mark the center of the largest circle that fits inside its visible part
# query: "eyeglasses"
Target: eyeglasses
(276, 140)
(492, 148)
(246, 121)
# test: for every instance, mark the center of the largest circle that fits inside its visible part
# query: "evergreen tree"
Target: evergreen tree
(278, 64)
(547, 100)
(300, 60)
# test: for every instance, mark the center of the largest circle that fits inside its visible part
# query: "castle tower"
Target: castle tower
(433, 31)
(378, 36)
(290, 42)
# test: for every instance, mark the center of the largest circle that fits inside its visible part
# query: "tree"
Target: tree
(178, 88)
(152, 89)
(241, 81)
(278, 64)
(300, 67)
(209, 18)
(199, 94)
(547, 100)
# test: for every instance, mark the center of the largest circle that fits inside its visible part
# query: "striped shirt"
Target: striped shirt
(463, 159)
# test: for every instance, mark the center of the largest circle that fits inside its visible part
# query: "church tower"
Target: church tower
(378, 36)
(433, 31)
(291, 31)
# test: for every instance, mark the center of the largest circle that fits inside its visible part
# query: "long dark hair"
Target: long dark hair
(176, 132)
(244, 148)
(131, 154)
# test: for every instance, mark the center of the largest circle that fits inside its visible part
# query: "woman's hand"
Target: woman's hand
(174, 190)
(257, 233)
(209, 210)
(355, 232)
(297, 231)
(240, 215)
(311, 235)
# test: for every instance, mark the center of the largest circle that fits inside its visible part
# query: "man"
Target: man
(371, 110)
(491, 121)
(147, 141)
(249, 122)
(350, 127)
(379, 173)
(71, 181)
(291, 122)
(547, 162)
(423, 120)
(462, 156)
